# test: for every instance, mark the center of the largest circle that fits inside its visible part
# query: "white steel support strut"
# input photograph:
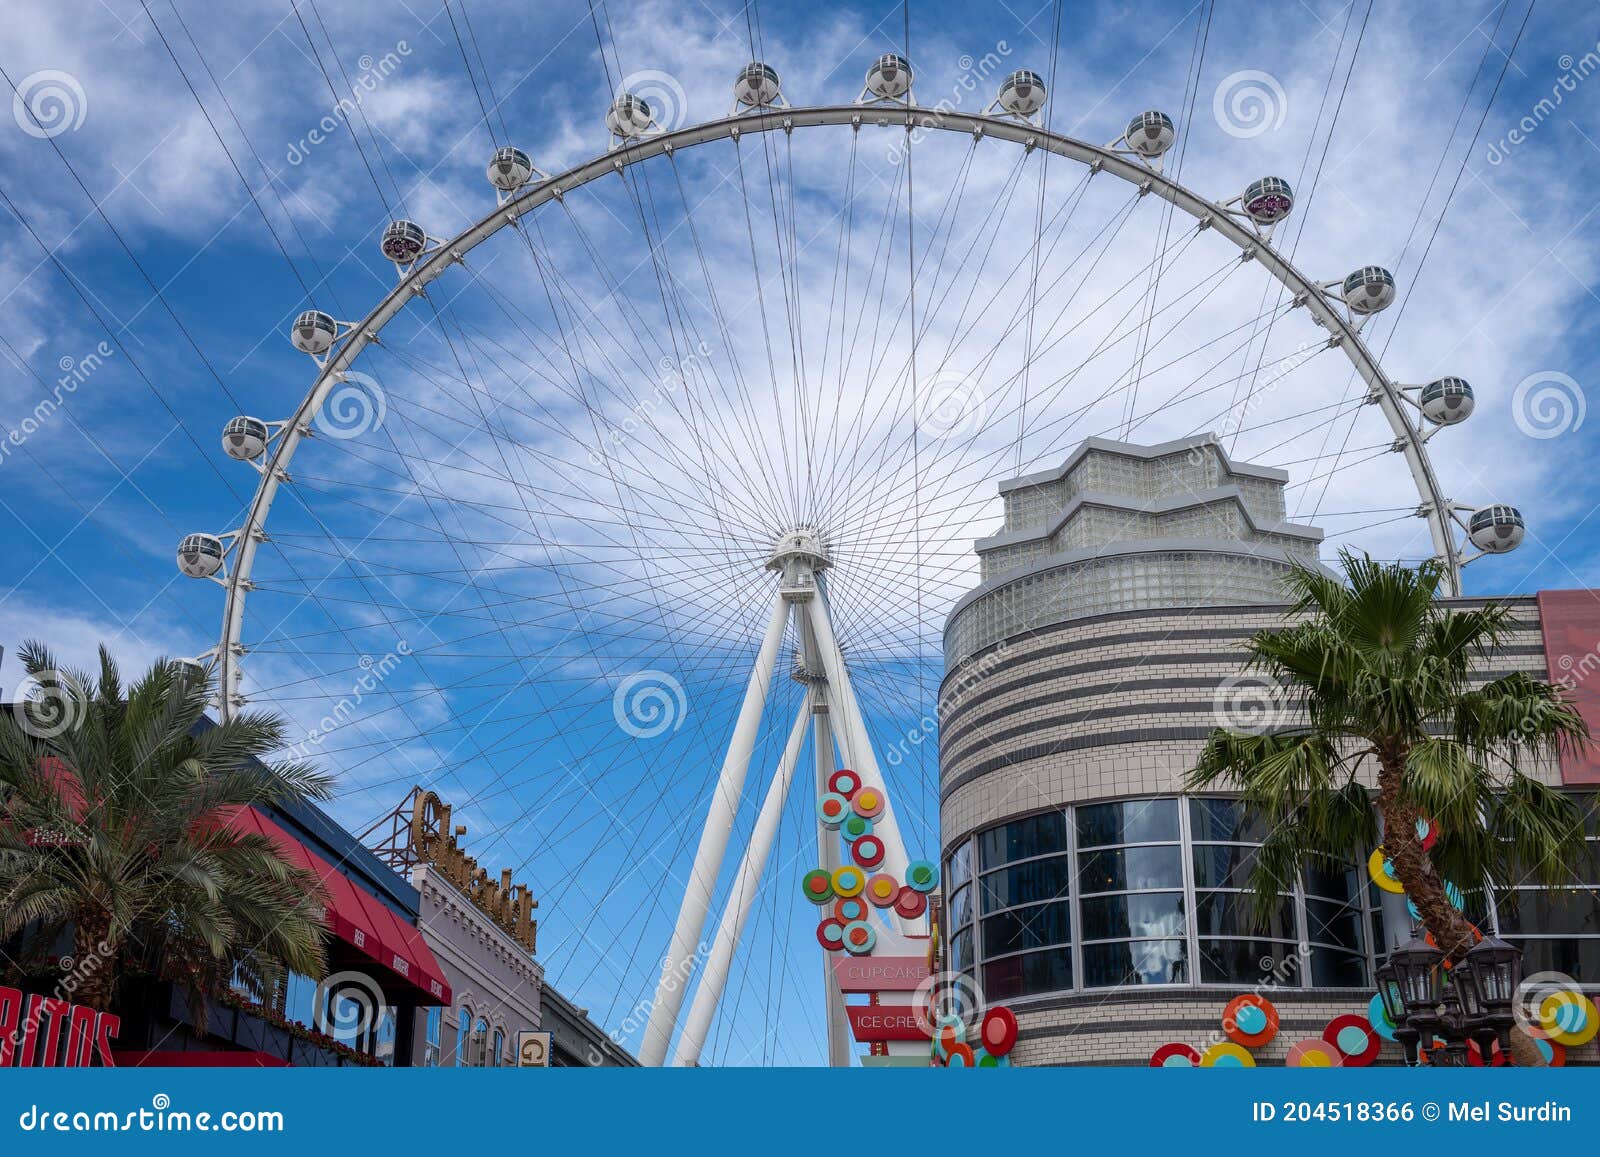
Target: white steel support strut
(714, 976)
(679, 961)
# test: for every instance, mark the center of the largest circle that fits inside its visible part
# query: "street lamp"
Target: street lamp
(1408, 984)
(1476, 1022)
(1495, 977)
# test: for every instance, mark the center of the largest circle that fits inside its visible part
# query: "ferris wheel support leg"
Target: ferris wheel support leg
(741, 899)
(895, 859)
(840, 1048)
(679, 961)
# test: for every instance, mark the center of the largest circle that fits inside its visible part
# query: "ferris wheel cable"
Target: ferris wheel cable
(1416, 274)
(1305, 160)
(333, 92)
(1153, 289)
(488, 80)
(372, 135)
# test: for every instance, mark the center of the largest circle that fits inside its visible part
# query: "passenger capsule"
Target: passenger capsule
(1268, 200)
(756, 86)
(1150, 134)
(244, 438)
(509, 169)
(1022, 93)
(1369, 290)
(1496, 529)
(200, 555)
(629, 116)
(403, 242)
(313, 332)
(889, 77)
(1446, 401)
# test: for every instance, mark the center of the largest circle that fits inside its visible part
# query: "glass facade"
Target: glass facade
(1145, 892)
(1558, 929)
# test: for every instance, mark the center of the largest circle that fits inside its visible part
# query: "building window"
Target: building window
(497, 1054)
(1558, 929)
(1142, 892)
(463, 1036)
(431, 1033)
(478, 1048)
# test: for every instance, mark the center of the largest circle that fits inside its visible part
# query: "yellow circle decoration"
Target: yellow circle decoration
(1378, 869)
(848, 881)
(1227, 1055)
(1560, 1010)
(1313, 1054)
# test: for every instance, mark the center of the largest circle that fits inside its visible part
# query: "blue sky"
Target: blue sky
(579, 581)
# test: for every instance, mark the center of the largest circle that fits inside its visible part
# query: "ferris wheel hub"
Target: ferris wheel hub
(797, 555)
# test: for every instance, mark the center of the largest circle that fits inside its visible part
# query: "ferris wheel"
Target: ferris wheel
(729, 400)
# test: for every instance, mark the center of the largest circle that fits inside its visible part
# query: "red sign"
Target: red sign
(1571, 624)
(46, 1031)
(880, 973)
(874, 1022)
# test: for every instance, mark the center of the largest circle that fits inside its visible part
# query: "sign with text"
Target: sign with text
(875, 1022)
(49, 1032)
(1571, 624)
(533, 1049)
(880, 973)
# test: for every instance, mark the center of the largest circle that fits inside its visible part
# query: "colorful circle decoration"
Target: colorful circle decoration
(1313, 1054)
(1451, 893)
(952, 1032)
(859, 938)
(1227, 1055)
(881, 890)
(830, 934)
(849, 880)
(1475, 1056)
(1378, 1018)
(1352, 1035)
(1554, 1055)
(854, 827)
(1250, 1020)
(1428, 833)
(867, 851)
(831, 809)
(910, 904)
(1382, 873)
(818, 885)
(1569, 1018)
(844, 782)
(1175, 1056)
(999, 1031)
(987, 1060)
(849, 908)
(868, 803)
(961, 1057)
(922, 875)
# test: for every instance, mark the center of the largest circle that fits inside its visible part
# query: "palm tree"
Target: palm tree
(1376, 676)
(114, 822)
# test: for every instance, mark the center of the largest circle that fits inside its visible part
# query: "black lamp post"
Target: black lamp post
(1495, 977)
(1408, 984)
(1475, 1020)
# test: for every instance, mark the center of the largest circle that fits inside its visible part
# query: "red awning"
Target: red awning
(357, 917)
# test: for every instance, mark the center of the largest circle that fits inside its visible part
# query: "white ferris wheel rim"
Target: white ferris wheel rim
(1410, 439)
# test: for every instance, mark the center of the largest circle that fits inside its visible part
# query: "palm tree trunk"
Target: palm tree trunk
(95, 959)
(1413, 867)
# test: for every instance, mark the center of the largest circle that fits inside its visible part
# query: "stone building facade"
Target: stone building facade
(1105, 643)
